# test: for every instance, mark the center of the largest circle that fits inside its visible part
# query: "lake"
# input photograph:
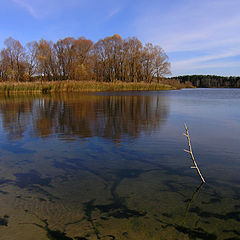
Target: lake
(111, 165)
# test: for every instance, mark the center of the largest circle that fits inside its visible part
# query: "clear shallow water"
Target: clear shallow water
(112, 166)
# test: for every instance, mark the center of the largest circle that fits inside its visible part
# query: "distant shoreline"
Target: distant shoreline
(209, 81)
(82, 86)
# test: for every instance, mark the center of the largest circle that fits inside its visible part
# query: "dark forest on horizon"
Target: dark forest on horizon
(210, 81)
(108, 60)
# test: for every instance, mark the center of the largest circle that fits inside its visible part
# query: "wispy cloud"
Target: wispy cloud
(217, 34)
(113, 12)
(223, 62)
(44, 8)
(226, 68)
(223, 65)
(193, 28)
(199, 60)
(27, 6)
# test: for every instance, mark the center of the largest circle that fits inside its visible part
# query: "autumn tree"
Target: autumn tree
(161, 64)
(133, 48)
(65, 57)
(31, 59)
(154, 62)
(46, 60)
(82, 59)
(13, 60)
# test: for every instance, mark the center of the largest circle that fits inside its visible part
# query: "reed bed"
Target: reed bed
(76, 86)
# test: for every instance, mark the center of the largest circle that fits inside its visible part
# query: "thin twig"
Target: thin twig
(191, 153)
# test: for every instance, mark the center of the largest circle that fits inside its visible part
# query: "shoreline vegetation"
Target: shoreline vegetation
(85, 86)
(80, 65)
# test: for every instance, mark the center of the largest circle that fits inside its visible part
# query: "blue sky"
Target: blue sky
(200, 37)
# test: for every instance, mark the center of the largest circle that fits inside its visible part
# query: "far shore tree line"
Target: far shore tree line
(209, 81)
(108, 60)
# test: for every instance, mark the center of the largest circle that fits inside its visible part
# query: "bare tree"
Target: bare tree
(47, 60)
(161, 63)
(65, 57)
(13, 59)
(31, 58)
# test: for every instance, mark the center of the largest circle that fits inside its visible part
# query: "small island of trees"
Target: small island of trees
(109, 60)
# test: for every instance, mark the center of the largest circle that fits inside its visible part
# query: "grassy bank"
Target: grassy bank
(76, 86)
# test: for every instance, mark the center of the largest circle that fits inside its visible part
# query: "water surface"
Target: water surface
(112, 166)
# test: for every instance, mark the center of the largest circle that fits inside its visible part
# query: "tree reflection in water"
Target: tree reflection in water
(83, 116)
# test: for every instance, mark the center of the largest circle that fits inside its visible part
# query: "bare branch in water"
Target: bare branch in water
(191, 153)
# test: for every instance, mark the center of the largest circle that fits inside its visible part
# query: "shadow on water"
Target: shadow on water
(117, 208)
(53, 234)
(4, 220)
(32, 177)
(191, 232)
